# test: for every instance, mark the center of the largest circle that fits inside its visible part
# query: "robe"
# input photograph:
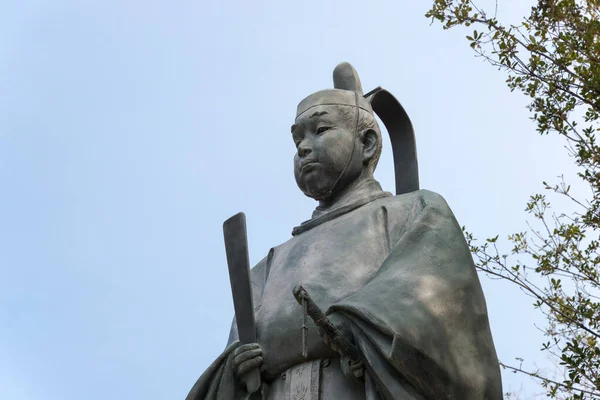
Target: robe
(398, 271)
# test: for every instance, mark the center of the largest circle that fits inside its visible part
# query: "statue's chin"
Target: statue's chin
(319, 194)
(316, 185)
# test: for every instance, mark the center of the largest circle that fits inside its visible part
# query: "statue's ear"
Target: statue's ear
(370, 140)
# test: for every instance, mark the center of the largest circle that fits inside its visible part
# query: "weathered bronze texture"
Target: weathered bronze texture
(404, 313)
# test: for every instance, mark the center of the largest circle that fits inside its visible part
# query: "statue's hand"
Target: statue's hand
(350, 369)
(341, 324)
(246, 358)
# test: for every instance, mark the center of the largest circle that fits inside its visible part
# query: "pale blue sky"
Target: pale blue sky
(129, 130)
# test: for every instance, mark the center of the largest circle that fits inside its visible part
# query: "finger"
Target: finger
(356, 365)
(247, 355)
(249, 365)
(245, 347)
(358, 369)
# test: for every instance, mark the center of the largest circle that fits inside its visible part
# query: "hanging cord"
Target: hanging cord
(330, 191)
(304, 329)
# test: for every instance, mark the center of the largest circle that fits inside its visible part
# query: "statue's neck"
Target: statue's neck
(361, 187)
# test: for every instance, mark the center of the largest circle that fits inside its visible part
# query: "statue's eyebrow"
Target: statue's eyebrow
(315, 114)
(318, 114)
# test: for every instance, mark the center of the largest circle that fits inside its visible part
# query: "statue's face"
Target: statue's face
(324, 145)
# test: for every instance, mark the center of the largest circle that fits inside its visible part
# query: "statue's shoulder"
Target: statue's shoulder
(402, 210)
(420, 200)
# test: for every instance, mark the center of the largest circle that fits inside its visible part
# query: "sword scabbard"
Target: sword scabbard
(328, 328)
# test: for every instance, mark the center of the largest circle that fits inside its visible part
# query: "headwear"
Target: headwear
(347, 89)
(348, 92)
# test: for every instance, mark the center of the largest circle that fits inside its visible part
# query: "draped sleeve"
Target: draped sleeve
(421, 322)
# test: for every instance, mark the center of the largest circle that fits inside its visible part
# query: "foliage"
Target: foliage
(553, 58)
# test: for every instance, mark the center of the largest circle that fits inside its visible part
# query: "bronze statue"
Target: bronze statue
(404, 314)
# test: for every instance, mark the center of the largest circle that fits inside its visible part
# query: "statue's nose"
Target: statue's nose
(304, 150)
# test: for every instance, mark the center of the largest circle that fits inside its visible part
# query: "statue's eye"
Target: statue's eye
(322, 129)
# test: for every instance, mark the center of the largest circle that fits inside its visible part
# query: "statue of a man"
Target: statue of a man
(394, 274)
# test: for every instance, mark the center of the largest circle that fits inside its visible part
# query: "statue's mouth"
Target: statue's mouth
(308, 166)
